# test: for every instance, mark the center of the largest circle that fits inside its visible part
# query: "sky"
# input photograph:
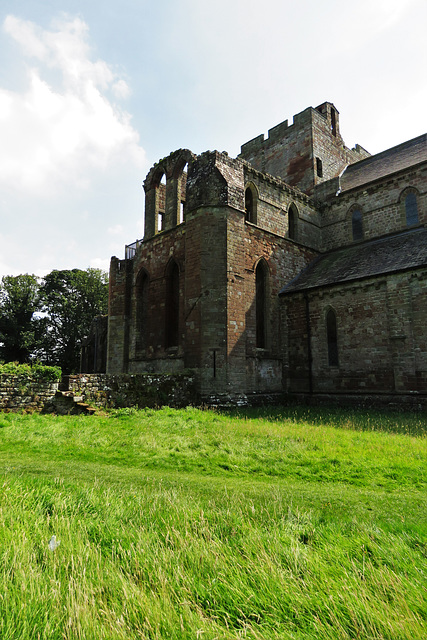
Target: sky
(93, 93)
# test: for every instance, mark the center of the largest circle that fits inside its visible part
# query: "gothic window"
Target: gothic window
(182, 192)
(261, 304)
(331, 332)
(160, 202)
(142, 287)
(292, 222)
(172, 306)
(357, 225)
(411, 209)
(250, 205)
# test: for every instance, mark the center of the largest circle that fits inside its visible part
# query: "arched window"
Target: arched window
(331, 331)
(182, 193)
(160, 202)
(142, 293)
(172, 306)
(261, 304)
(411, 209)
(292, 222)
(250, 205)
(357, 225)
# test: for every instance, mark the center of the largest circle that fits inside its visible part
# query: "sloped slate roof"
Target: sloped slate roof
(385, 163)
(407, 250)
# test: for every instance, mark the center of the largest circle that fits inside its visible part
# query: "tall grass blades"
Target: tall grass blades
(191, 524)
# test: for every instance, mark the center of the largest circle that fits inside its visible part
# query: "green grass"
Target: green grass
(294, 523)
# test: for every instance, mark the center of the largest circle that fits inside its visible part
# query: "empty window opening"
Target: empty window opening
(181, 212)
(411, 209)
(172, 306)
(357, 225)
(249, 205)
(292, 223)
(260, 304)
(182, 193)
(160, 203)
(333, 122)
(160, 220)
(331, 330)
(319, 168)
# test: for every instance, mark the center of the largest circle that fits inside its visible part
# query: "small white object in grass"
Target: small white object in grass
(53, 543)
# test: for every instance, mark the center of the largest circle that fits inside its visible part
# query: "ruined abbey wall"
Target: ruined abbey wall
(254, 270)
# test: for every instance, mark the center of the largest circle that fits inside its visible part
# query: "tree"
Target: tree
(20, 328)
(71, 299)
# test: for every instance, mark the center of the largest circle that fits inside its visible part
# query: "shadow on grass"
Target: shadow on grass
(385, 420)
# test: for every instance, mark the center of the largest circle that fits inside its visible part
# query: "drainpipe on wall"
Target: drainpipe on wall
(309, 354)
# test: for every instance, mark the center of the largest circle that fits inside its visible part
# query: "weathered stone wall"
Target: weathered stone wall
(382, 344)
(284, 259)
(139, 390)
(381, 205)
(273, 201)
(166, 199)
(19, 393)
(217, 252)
(154, 257)
(225, 240)
(291, 152)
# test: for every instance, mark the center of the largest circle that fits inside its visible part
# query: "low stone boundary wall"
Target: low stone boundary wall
(133, 390)
(23, 393)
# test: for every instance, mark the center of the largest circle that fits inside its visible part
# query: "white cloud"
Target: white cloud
(57, 134)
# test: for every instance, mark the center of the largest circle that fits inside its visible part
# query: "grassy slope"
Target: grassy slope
(185, 524)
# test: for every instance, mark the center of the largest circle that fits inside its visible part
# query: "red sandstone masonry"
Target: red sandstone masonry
(381, 322)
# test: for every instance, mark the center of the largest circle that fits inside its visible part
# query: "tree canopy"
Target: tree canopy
(46, 319)
(20, 329)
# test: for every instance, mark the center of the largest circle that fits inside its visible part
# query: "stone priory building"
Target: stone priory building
(299, 267)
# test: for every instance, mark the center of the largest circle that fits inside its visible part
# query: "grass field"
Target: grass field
(293, 523)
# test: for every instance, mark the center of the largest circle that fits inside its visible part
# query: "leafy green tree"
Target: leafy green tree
(20, 328)
(70, 300)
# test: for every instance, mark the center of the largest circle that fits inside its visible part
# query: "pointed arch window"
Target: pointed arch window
(357, 225)
(332, 337)
(160, 201)
(250, 205)
(261, 304)
(172, 306)
(182, 191)
(411, 209)
(142, 304)
(292, 222)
